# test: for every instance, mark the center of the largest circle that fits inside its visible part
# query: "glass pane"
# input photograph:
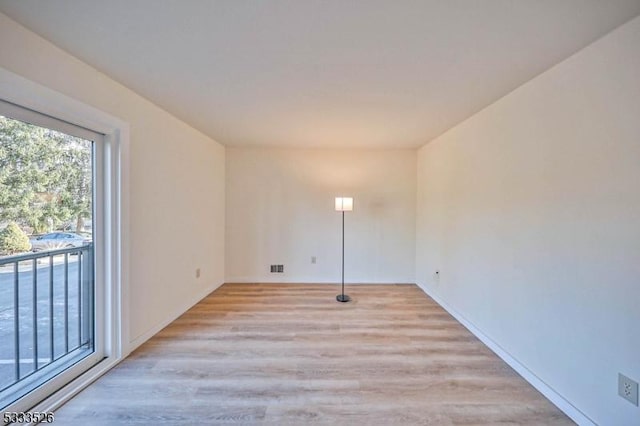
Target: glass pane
(46, 274)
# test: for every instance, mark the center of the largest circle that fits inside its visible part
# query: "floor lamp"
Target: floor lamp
(343, 204)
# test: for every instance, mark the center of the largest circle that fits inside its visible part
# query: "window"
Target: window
(58, 350)
(49, 320)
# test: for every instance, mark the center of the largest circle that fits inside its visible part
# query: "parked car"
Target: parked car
(56, 240)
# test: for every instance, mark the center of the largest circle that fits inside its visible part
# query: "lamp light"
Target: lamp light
(343, 204)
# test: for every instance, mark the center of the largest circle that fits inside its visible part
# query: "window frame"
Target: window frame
(63, 375)
(112, 183)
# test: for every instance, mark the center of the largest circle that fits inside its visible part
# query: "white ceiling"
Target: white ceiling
(322, 73)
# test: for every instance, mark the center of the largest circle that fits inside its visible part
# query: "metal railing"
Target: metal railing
(50, 306)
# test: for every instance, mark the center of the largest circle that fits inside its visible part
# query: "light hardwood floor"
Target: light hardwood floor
(291, 355)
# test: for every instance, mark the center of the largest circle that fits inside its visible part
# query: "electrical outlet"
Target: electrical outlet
(198, 273)
(274, 268)
(628, 389)
(280, 268)
(313, 259)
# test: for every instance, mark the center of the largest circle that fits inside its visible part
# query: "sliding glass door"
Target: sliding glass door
(51, 321)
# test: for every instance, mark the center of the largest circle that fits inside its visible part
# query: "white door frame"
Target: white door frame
(113, 186)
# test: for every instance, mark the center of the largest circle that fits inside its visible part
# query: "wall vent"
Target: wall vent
(278, 269)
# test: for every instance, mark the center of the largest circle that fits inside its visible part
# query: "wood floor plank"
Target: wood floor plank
(284, 354)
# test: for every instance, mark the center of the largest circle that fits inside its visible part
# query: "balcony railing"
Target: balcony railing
(46, 316)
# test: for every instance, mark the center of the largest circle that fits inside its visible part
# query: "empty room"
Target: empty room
(295, 212)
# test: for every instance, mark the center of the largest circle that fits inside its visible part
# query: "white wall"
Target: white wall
(280, 210)
(176, 183)
(531, 211)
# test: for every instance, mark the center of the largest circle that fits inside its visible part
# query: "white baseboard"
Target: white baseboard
(284, 280)
(135, 343)
(558, 400)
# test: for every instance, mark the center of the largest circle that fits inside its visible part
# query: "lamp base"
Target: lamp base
(343, 298)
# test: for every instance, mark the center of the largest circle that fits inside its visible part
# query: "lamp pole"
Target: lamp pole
(342, 297)
(343, 254)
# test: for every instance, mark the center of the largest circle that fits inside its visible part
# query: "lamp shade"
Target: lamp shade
(344, 204)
